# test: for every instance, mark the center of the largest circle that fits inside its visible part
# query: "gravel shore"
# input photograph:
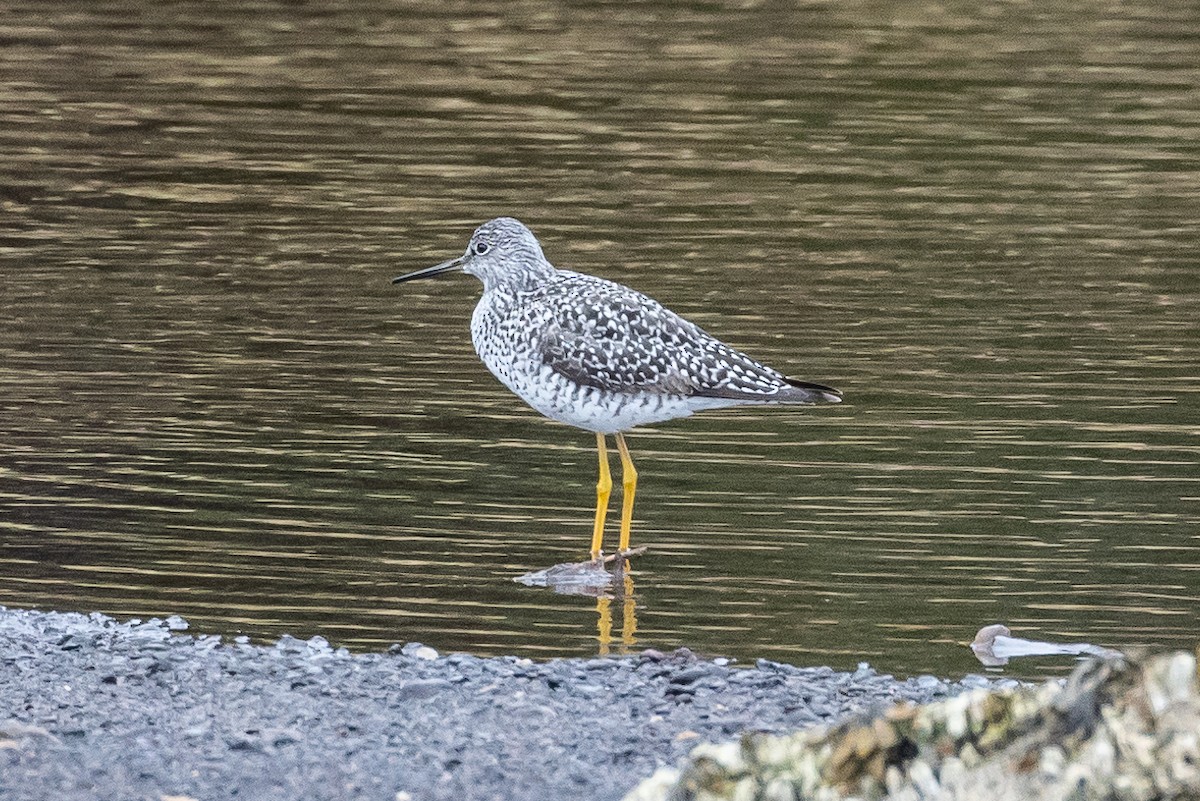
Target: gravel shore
(92, 708)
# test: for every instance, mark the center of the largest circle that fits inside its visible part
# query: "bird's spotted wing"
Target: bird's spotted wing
(606, 336)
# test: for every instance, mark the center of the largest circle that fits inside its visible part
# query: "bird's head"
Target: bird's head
(502, 252)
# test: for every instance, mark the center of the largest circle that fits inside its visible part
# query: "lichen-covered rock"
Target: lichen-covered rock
(1125, 728)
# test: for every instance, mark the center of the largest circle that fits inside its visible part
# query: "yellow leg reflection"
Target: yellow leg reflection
(629, 483)
(603, 490)
(628, 611)
(604, 622)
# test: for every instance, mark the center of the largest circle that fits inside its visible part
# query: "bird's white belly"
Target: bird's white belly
(596, 410)
(591, 409)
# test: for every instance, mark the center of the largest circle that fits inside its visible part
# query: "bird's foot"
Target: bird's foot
(600, 560)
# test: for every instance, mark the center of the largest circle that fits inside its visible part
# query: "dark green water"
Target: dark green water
(979, 222)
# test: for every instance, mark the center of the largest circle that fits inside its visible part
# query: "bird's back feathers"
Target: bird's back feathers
(604, 335)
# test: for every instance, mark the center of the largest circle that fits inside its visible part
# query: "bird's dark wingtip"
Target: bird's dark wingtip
(821, 393)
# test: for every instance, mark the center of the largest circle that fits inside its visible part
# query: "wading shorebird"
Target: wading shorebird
(600, 356)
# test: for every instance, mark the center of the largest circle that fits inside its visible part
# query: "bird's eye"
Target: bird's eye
(481, 248)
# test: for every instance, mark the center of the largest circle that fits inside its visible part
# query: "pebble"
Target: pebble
(419, 651)
(137, 709)
(690, 675)
(974, 681)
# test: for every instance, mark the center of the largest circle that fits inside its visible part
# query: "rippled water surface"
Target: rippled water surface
(979, 223)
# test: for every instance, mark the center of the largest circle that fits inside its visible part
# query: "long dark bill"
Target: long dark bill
(429, 272)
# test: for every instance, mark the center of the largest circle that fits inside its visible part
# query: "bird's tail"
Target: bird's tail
(816, 393)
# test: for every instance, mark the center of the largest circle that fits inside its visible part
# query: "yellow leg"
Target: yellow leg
(603, 490)
(629, 482)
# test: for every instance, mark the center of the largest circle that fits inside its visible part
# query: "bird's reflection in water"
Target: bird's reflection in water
(623, 592)
(595, 579)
